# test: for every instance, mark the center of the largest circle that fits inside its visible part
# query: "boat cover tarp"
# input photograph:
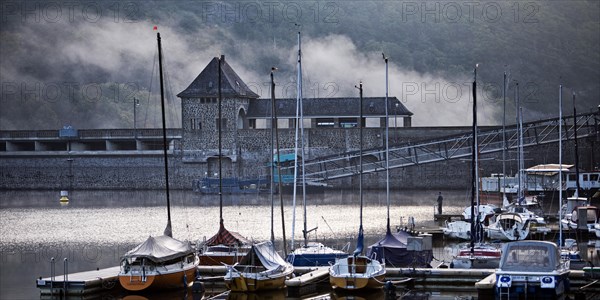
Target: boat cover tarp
(393, 249)
(159, 249)
(263, 254)
(227, 238)
(359, 242)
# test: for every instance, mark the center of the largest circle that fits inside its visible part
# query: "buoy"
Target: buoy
(198, 287)
(64, 197)
(389, 288)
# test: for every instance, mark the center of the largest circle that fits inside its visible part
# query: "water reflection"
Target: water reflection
(358, 295)
(117, 217)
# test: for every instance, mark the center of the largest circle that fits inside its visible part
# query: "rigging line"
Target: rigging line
(153, 122)
(171, 99)
(174, 117)
(168, 95)
(150, 89)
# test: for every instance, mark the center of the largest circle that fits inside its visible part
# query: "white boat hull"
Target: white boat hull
(458, 230)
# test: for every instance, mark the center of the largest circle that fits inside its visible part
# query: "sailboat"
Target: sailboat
(479, 255)
(311, 253)
(160, 262)
(578, 210)
(393, 249)
(357, 271)
(225, 247)
(462, 229)
(508, 227)
(262, 268)
(514, 225)
(528, 207)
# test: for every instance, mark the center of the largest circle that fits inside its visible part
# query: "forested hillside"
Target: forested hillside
(83, 64)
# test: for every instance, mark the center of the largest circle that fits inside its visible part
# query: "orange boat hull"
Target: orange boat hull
(159, 281)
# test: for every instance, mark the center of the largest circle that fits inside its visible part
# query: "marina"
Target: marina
(479, 281)
(99, 244)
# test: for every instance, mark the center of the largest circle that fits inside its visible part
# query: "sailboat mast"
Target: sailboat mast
(360, 239)
(387, 145)
(503, 186)
(474, 187)
(476, 141)
(164, 132)
(521, 157)
(519, 152)
(274, 125)
(560, 165)
(361, 153)
(299, 127)
(301, 107)
(271, 158)
(295, 186)
(220, 124)
(576, 148)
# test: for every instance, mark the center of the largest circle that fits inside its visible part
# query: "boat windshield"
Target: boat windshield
(530, 258)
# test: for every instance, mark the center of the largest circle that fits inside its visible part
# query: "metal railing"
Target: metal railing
(91, 133)
(452, 147)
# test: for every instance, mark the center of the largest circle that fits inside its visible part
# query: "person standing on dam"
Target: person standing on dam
(440, 199)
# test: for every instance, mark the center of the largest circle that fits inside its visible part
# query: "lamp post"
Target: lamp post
(136, 103)
(70, 160)
(396, 121)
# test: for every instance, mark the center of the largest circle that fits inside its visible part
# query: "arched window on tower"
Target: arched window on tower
(241, 121)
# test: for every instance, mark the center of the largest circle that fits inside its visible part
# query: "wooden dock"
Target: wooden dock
(440, 218)
(82, 283)
(480, 280)
(437, 278)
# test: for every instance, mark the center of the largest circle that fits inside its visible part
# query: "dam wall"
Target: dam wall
(127, 160)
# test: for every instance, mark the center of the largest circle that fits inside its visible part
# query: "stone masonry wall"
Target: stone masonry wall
(143, 171)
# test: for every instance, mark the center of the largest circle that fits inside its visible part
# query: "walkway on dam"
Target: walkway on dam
(452, 147)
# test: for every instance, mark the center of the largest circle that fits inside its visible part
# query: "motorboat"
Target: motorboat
(531, 269)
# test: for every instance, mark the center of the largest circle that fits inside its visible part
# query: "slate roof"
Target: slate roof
(328, 107)
(206, 84)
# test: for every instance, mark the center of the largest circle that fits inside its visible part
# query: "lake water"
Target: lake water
(97, 227)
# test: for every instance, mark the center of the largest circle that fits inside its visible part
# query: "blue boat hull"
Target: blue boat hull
(314, 260)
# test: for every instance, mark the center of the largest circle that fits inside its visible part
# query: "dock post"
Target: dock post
(52, 275)
(66, 276)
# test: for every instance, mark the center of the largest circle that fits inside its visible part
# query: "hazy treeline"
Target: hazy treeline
(83, 63)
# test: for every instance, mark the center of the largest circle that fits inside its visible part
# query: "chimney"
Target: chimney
(222, 57)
